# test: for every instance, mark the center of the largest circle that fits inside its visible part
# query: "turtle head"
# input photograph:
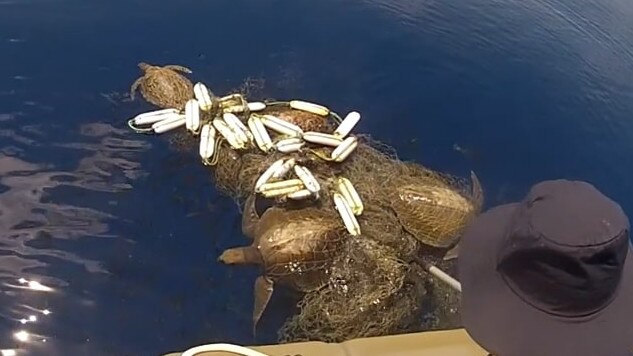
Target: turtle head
(144, 66)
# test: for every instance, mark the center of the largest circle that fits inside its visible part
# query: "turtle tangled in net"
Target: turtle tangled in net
(369, 221)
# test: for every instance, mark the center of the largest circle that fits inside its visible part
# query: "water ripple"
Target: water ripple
(41, 226)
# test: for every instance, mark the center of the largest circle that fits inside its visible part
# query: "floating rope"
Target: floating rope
(234, 349)
(136, 129)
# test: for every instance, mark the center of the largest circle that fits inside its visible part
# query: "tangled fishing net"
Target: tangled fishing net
(377, 283)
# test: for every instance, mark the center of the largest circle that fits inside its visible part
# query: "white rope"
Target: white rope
(444, 277)
(235, 349)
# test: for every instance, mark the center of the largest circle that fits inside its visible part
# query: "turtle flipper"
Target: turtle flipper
(134, 87)
(477, 197)
(178, 68)
(478, 192)
(452, 253)
(263, 291)
(241, 255)
(254, 208)
(249, 217)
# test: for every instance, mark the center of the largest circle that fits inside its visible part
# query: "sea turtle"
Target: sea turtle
(294, 247)
(164, 86)
(434, 212)
(306, 120)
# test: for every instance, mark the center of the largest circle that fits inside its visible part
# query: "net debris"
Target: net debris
(394, 217)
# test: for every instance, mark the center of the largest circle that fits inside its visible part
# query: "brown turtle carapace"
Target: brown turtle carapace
(164, 86)
(294, 247)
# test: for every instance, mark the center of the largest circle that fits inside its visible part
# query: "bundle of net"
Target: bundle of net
(368, 168)
(432, 208)
(377, 284)
(410, 213)
(370, 292)
(412, 216)
(236, 171)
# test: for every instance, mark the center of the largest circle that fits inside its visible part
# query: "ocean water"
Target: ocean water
(122, 232)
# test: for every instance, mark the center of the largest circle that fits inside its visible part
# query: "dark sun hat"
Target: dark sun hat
(551, 275)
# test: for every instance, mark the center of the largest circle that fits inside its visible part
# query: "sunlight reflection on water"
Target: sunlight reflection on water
(33, 225)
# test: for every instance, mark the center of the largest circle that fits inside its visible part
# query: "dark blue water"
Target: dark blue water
(126, 231)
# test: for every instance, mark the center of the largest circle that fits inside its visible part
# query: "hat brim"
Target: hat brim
(505, 325)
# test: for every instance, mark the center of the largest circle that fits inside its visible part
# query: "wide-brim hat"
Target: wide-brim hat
(551, 275)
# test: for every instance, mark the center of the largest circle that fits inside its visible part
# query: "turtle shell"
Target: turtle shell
(434, 214)
(165, 88)
(307, 121)
(297, 246)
